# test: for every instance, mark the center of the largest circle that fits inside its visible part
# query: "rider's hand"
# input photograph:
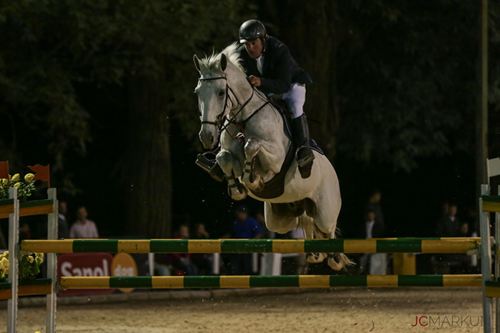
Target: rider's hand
(254, 80)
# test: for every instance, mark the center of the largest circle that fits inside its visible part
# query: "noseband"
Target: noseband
(220, 118)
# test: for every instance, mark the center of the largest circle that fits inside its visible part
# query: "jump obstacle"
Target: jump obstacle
(12, 289)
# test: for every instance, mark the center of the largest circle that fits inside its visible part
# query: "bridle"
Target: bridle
(219, 122)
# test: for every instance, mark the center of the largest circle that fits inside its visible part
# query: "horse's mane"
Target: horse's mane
(210, 62)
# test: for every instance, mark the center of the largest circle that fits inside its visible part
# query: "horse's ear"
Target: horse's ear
(223, 62)
(196, 63)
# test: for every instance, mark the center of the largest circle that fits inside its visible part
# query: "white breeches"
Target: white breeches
(295, 99)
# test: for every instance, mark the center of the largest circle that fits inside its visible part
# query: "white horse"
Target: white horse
(253, 150)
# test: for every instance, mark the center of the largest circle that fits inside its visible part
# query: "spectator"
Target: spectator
(265, 233)
(181, 261)
(374, 205)
(244, 227)
(463, 230)
(62, 224)
(373, 263)
(202, 260)
(448, 225)
(83, 228)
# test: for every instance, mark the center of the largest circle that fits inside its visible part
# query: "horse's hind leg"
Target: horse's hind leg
(325, 227)
(324, 210)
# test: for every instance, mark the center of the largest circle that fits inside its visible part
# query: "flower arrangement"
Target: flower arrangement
(24, 187)
(29, 266)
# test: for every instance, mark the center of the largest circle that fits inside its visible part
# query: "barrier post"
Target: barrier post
(485, 261)
(497, 264)
(52, 264)
(13, 262)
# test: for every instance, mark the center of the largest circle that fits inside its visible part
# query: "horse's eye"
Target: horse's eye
(221, 93)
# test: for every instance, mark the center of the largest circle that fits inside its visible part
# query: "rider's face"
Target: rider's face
(254, 48)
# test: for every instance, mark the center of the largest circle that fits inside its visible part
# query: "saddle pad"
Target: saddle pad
(314, 146)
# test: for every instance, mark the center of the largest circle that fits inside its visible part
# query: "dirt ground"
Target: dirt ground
(341, 310)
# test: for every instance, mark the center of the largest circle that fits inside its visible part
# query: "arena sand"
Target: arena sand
(340, 310)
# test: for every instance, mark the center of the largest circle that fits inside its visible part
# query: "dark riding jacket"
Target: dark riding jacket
(279, 70)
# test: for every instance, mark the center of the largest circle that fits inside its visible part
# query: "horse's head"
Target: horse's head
(221, 79)
(212, 91)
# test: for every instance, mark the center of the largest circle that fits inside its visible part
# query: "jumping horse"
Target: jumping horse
(257, 155)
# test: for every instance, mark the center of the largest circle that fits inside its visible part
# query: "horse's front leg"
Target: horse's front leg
(271, 159)
(231, 167)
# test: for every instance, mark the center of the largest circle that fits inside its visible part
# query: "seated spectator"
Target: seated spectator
(83, 228)
(181, 261)
(202, 260)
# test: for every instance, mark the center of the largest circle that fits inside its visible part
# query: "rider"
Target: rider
(271, 68)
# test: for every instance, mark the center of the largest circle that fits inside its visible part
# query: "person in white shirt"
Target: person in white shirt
(83, 228)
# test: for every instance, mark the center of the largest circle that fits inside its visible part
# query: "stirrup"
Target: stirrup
(305, 163)
(305, 160)
(210, 166)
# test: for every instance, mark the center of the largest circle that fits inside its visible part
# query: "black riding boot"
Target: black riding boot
(304, 154)
(210, 165)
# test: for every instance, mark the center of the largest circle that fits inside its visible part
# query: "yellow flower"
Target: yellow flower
(30, 259)
(5, 181)
(17, 185)
(29, 177)
(5, 254)
(5, 264)
(16, 177)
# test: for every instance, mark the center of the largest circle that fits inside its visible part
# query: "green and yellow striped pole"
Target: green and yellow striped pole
(491, 203)
(372, 245)
(247, 281)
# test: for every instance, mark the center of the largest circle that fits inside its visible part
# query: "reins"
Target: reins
(219, 122)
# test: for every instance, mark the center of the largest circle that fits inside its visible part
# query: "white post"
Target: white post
(216, 263)
(485, 261)
(13, 262)
(151, 264)
(277, 261)
(52, 264)
(497, 265)
(255, 262)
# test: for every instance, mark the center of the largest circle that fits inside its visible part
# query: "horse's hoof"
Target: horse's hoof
(337, 261)
(237, 193)
(260, 185)
(315, 258)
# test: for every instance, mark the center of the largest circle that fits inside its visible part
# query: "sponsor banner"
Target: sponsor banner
(124, 265)
(84, 264)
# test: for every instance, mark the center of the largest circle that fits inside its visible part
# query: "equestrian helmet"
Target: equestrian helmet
(251, 30)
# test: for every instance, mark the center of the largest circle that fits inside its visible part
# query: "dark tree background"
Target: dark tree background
(102, 90)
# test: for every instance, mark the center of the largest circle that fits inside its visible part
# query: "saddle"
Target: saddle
(276, 186)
